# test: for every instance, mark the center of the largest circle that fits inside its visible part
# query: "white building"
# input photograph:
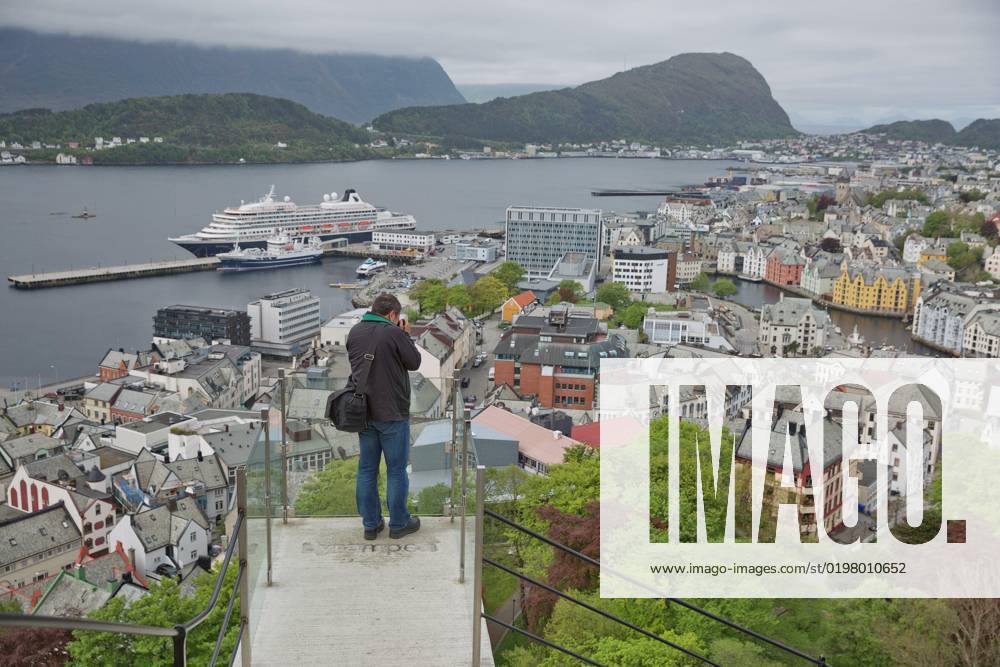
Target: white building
(423, 243)
(982, 335)
(939, 317)
(992, 264)
(689, 266)
(788, 322)
(676, 327)
(643, 269)
(537, 237)
(63, 158)
(476, 252)
(334, 332)
(755, 261)
(284, 323)
(174, 534)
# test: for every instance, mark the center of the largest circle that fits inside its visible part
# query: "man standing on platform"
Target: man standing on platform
(384, 335)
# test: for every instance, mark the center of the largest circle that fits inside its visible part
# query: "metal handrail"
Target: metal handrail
(225, 620)
(467, 433)
(597, 610)
(482, 512)
(178, 633)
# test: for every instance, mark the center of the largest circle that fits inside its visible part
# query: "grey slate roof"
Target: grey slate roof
(234, 446)
(28, 445)
(69, 596)
(33, 533)
(103, 392)
(209, 471)
(790, 311)
(59, 468)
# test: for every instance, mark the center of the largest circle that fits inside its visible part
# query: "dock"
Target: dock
(636, 193)
(364, 250)
(99, 274)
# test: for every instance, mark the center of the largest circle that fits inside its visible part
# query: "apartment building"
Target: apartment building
(283, 324)
(646, 270)
(537, 237)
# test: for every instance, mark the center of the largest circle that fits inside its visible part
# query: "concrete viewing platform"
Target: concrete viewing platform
(340, 600)
(99, 274)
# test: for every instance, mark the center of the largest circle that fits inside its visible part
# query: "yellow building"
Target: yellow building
(933, 252)
(875, 288)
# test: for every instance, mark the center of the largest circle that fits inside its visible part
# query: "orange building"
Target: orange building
(516, 305)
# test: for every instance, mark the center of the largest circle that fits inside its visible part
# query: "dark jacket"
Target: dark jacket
(388, 389)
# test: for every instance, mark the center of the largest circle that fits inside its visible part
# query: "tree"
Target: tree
(45, 647)
(937, 224)
(700, 283)
(634, 315)
(330, 492)
(431, 295)
(569, 290)
(164, 605)
(459, 297)
(431, 499)
(487, 294)
(615, 295)
(509, 273)
(830, 244)
(724, 288)
(971, 195)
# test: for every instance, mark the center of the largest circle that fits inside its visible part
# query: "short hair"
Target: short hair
(386, 303)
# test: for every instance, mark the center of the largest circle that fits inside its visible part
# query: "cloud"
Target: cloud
(852, 58)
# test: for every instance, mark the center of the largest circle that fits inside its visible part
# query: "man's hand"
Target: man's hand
(404, 325)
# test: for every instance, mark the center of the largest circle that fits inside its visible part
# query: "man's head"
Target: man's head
(387, 306)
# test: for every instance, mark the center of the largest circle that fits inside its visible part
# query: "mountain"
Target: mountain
(929, 131)
(984, 133)
(65, 72)
(484, 92)
(693, 98)
(194, 128)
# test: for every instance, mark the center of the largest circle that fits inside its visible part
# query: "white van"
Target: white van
(492, 374)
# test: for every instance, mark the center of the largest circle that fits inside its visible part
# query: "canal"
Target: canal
(877, 331)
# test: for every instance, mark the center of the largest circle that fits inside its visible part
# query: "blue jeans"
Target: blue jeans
(391, 439)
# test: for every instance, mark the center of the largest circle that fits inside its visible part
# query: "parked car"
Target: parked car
(465, 382)
(167, 570)
(492, 374)
(478, 361)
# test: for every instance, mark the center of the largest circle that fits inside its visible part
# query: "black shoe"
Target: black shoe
(411, 527)
(372, 533)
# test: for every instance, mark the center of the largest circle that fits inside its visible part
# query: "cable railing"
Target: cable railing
(180, 632)
(479, 614)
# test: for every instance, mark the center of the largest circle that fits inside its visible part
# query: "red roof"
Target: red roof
(622, 429)
(524, 298)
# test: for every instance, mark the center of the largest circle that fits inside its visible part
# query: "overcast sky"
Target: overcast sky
(839, 62)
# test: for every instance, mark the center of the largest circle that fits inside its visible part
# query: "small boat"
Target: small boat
(86, 215)
(370, 267)
(281, 252)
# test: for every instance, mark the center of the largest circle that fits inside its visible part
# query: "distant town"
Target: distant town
(511, 324)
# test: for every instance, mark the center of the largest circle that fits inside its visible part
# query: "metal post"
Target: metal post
(283, 383)
(465, 473)
(180, 646)
(265, 417)
(454, 443)
(477, 578)
(241, 508)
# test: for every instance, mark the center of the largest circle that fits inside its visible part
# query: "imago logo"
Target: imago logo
(799, 478)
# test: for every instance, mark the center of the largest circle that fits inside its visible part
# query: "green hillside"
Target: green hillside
(694, 98)
(194, 128)
(929, 131)
(984, 133)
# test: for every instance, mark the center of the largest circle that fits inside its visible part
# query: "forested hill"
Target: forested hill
(194, 128)
(65, 72)
(693, 98)
(984, 133)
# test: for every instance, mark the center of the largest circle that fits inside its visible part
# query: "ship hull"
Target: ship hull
(234, 265)
(210, 247)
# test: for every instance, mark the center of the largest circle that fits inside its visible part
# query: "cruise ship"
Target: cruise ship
(281, 252)
(348, 217)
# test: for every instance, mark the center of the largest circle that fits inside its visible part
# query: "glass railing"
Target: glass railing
(264, 502)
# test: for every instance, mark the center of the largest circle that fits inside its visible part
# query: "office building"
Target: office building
(651, 270)
(537, 237)
(283, 324)
(202, 322)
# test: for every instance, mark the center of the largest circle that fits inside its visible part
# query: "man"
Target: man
(388, 432)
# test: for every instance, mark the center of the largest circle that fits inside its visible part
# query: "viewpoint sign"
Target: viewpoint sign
(734, 477)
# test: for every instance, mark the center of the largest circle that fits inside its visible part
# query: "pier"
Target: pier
(363, 251)
(100, 274)
(624, 192)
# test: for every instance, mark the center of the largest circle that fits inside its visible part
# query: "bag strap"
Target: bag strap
(361, 382)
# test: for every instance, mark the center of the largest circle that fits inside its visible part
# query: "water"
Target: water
(64, 332)
(877, 331)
